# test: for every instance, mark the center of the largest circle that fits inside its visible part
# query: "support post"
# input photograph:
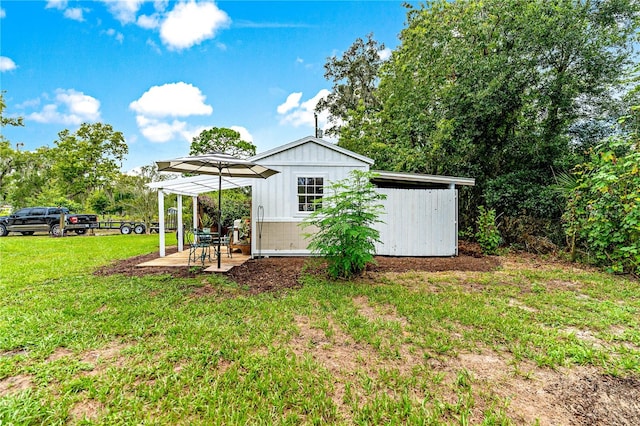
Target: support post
(195, 212)
(161, 222)
(219, 212)
(180, 226)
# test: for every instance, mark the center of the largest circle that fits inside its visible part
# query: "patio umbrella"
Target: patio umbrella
(217, 164)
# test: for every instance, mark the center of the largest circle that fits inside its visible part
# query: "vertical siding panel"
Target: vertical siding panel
(417, 223)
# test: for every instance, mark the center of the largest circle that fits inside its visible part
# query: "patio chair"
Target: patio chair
(224, 241)
(200, 248)
(189, 241)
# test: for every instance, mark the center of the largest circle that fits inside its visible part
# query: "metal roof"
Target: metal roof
(415, 178)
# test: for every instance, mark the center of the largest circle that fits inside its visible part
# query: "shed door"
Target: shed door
(418, 222)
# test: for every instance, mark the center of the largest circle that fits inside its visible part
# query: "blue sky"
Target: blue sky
(162, 71)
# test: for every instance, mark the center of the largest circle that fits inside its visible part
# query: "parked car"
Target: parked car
(30, 220)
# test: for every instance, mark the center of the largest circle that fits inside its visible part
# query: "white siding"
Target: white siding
(278, 194)
(418, 222)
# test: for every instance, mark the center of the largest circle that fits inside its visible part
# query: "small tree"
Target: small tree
(345, 237)
(488, 235)
(220, 139)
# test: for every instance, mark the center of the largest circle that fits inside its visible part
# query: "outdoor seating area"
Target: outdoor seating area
(201, 242)
(184, 259)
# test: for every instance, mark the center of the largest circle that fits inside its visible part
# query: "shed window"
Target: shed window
(309, 190)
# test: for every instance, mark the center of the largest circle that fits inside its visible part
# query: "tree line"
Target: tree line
(524, 96)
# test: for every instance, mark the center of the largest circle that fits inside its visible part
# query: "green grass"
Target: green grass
(122, 350)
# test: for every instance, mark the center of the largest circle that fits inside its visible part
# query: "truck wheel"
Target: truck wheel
(55, 230)
(81, 231)
(3, 230)
(139, 229)
(27, 232)
(125, 229)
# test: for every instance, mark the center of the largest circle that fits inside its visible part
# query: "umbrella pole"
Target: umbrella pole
(219, 212)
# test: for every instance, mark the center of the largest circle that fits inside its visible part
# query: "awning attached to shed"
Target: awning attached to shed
(414, 180)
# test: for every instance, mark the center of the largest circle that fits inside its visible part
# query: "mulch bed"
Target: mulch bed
(269, 274)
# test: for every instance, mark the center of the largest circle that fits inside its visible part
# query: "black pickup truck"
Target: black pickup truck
(29, 220)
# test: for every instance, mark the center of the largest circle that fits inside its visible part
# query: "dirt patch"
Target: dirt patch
(15, 384)
(596, 399)
(14, 352)
(110, 353)
(59, 353)
(576, 396)
(89, 409)
(580, 396)
(276, 273)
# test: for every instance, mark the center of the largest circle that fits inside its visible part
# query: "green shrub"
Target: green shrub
(603, 210)
(488, 235)
(345, 237)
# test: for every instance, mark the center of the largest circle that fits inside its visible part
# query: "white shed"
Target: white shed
(420, 212)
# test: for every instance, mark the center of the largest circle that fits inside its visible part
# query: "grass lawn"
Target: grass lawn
(534, 342)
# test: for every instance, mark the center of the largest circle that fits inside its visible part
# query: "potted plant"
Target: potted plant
(206, 221)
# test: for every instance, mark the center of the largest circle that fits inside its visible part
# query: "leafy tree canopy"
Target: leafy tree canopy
(7, 121)
(88, 159)
(220, 139)
(8, 156)
(355, 77)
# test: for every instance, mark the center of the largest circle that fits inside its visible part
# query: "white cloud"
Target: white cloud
(56, 4)
(191, 23)
(384, 54)
(115, 34)
(160, 131)
(3, 13)
(169, 100)
(152, 44)
(7, 64)
(244, 133)
(302, 114)
(74, 13)
(293, 100)
(149, 22)
(70, 107)
(172, 100)
(30, 103)
(124, 10)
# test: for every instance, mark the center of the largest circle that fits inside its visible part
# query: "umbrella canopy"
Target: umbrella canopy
(218, 164)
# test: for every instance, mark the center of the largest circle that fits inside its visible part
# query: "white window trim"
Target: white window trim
(325, 183)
